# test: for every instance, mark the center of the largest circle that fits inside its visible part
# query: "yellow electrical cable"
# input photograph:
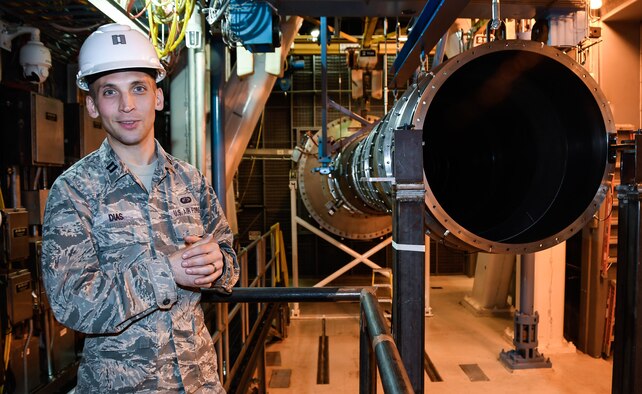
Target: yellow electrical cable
(156, 15)
(188, 15)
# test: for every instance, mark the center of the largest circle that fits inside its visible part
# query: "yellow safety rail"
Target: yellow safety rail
(279, 254)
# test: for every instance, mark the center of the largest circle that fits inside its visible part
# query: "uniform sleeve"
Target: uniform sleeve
(84, 294)
(215, 223)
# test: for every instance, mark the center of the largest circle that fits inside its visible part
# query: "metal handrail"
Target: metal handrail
(381, 346)
(376, 342)
(224, 315)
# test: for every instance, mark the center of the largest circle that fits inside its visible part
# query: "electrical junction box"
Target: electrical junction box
(48, 130)
(19, 298)
(15, 234)
(254, 24)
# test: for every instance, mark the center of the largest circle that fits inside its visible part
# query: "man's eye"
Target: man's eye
(139, 89)
(109, 92)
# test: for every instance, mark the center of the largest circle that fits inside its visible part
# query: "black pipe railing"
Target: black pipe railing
(381, 347)
(283, 294)
(377, 348)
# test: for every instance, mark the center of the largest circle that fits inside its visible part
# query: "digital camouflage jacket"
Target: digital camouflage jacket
(106, 273)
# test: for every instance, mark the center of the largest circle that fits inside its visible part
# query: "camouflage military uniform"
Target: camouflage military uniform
(107, 274)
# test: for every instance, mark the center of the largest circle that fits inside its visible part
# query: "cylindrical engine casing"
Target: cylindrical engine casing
(515, 154)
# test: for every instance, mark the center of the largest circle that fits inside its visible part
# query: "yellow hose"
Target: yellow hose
(156, 15)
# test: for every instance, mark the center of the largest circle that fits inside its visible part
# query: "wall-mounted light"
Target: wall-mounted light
(595, 4)
(315, 34)
(194, 36)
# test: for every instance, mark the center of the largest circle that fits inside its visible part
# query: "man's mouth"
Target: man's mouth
(128, 123)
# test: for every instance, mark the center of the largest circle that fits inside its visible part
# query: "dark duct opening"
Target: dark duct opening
(515, 146)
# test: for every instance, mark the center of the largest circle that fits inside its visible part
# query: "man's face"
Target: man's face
(126, 102)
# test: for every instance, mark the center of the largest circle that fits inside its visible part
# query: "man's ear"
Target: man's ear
(91, 107)
(160, 102)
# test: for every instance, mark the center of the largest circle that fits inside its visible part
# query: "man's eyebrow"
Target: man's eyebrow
(139, 82)
(131, 84)
(106, 85)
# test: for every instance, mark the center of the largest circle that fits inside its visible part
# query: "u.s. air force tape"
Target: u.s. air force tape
(409, 248)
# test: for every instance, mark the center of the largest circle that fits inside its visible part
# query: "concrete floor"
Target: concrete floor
(454, 336)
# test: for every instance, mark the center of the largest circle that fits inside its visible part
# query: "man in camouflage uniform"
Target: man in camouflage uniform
(131, 234)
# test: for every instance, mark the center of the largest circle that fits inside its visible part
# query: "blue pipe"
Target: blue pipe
(217, 81)
(324, 157)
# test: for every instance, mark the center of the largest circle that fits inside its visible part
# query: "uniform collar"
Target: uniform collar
(115, 168)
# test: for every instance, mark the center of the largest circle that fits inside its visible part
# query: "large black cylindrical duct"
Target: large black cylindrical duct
(515, 149)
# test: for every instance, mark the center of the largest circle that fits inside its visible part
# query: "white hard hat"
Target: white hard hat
(116, 47)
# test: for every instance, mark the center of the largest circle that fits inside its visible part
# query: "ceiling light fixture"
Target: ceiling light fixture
(118, 14)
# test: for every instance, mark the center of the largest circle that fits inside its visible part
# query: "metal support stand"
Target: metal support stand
(358, 257)
(525, 355)
(627, 355)
(408, 320)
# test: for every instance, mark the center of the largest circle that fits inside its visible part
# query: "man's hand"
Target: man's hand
(199, 264)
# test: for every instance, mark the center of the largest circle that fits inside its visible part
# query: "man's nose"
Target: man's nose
(126, 102)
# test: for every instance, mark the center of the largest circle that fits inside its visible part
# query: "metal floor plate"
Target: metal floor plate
(475, 374)
(273, 359)
(280, 378)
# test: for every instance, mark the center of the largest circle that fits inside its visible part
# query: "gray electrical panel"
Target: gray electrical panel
(19, 298)
(47, 131)
(15, 234)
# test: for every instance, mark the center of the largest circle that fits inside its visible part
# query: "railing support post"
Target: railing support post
(367, 364)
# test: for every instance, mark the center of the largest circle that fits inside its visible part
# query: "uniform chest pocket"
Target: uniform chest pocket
(122, 237)
(185, 215)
